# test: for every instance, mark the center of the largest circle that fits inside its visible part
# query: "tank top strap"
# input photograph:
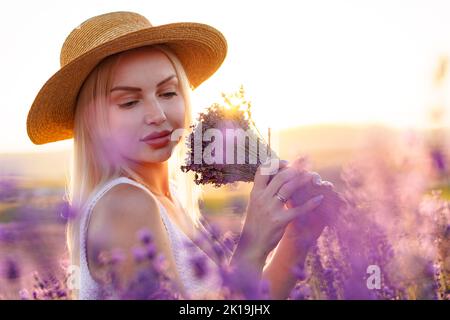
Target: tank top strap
(110, 184)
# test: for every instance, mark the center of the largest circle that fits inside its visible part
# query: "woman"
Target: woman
(122, 93)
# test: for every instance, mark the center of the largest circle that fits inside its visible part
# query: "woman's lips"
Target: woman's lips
(158, 142)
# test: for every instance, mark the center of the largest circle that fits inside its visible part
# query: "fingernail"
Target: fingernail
(328, 184)
(284, 162)
(317, 180)
(318, 199)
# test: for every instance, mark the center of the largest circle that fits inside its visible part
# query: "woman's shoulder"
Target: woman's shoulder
(122, 211)
(115, 189)
(117, 219)
(124, 204)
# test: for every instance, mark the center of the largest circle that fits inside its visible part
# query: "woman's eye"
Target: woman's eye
(128, 104)
(169, 94)
(131, 103)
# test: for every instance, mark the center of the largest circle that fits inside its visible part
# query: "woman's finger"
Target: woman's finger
(311, 204)
(282, 165)
(288, 189)
(300, 162)
(327, 183)
(261, 179)
(316, 179)
(279, 179)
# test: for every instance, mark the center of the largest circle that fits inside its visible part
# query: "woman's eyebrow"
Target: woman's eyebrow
(126, 88)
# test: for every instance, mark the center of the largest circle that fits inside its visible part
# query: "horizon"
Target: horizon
(384, 71)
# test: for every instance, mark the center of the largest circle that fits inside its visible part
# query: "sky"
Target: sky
(301, 62)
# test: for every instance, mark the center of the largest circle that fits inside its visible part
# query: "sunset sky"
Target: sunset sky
(301, 62)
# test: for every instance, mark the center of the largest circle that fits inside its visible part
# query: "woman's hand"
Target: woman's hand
(305, 229)
(267, 217)
(301, 232)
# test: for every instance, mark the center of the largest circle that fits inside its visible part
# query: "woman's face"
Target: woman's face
(145, 98)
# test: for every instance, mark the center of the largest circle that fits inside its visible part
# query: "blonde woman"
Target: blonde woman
(122, 93)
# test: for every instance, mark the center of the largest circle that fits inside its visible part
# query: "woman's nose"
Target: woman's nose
(155, 114)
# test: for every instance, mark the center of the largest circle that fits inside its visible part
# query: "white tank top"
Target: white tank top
(90, 289)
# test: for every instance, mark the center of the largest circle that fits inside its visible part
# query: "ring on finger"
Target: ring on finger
(281, 198)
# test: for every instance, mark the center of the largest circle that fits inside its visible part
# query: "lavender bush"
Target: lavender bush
(395, 223)
(391, 241)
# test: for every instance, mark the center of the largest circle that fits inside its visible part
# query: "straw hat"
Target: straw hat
(200, 48)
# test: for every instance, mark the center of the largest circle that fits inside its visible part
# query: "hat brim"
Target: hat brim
(200, 48)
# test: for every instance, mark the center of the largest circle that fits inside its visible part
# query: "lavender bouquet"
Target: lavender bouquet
(216, 161)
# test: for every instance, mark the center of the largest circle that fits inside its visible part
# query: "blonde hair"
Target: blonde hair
(92, 165)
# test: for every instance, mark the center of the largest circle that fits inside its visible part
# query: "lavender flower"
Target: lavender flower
(66, 211)
(199, 265)
(11, 270)
(145, 236)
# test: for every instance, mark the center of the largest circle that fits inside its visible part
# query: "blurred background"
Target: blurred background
(325, 76)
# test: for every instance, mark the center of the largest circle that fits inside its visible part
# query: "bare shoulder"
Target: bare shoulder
(122, 207)
(116, 220)
(125, 198)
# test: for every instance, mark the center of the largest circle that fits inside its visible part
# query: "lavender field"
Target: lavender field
(391, 242)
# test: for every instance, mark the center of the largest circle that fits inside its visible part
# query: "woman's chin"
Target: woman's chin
(158, 154)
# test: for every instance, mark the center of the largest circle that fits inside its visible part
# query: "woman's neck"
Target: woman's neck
(155, 176)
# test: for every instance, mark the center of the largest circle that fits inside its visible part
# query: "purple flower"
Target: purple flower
(439, 160)
(199, 266)
(8, 189)
(66, 211)
(150, 251)
(11, 270)
(139, 254)
(299, 272)
(160, 263)
(301, 292)
(6, 234)
(145, 236)
(243, 282)
(430, 269)
(24, 294)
